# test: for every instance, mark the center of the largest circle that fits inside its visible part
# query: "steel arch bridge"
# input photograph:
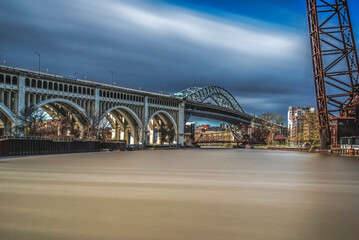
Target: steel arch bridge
(213, 102)
(219, 95)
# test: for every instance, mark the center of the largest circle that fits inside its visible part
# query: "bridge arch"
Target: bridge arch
(129, 111)
(7, 113)
(7, 119)
(133, 135)
(157, 120)
(169, 116)
(219, 95)
(80, 114)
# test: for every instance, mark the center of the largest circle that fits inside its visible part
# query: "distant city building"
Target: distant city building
(295, 117)
(208, 128)
(202, 128)
(223, 126)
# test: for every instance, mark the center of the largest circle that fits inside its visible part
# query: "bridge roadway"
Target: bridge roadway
(211, 111)
(133, 114)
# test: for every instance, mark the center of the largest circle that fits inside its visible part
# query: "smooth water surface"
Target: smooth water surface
(180, 194)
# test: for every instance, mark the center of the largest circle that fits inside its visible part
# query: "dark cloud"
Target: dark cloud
(160, 47)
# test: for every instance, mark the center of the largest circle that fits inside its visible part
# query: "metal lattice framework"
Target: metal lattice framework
(219, 95)
(335, 61)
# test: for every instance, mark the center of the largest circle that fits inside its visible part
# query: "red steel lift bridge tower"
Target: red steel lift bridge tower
(335, 67)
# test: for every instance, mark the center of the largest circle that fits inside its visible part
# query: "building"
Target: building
(295, 121)
(342, 127)
(189, 130)
(223, 126)
(279, 139)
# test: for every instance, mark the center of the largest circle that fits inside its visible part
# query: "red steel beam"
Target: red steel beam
(334, 53)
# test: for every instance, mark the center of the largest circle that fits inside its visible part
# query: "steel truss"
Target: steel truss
(335, 61)
(220, 97)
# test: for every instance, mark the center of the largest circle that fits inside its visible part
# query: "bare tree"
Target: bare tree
(269, 117)
(266, 126)
(98, 129)
(171, 132)
(163, 134)
(30, 121)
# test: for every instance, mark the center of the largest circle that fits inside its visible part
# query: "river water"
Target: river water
(180, 194)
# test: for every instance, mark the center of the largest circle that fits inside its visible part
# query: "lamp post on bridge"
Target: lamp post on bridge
(38, 54)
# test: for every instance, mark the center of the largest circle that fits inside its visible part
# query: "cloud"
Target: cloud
(157, 46)
(206, 31)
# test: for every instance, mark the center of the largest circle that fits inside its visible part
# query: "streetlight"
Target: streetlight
(38, 54)
(111, 75)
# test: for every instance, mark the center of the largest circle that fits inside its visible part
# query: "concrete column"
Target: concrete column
(145, 121)
(116, 131)
(16, 102)
(28, 100)
(9, 100)
(122, 135)
(136, 135)
(126, 135)
(97, 102)
(21, 96)
(34, 99)
(181, 124)
(7, 127)
(132, 139)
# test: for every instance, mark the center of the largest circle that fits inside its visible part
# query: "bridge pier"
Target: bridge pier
(145, 117)
(137, 136)
(181, 124)
(117, 131)
(7, 127)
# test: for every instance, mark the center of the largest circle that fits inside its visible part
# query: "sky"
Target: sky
(257, 50)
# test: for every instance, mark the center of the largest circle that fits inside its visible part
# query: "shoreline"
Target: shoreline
(292, 149)
(340, 152)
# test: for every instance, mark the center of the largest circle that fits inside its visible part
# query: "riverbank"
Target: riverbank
(338, 151)
(293, 149)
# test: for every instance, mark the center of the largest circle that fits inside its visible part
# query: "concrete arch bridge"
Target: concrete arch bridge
(135, 116)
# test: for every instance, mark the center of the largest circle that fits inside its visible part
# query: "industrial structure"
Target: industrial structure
(335, 68)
